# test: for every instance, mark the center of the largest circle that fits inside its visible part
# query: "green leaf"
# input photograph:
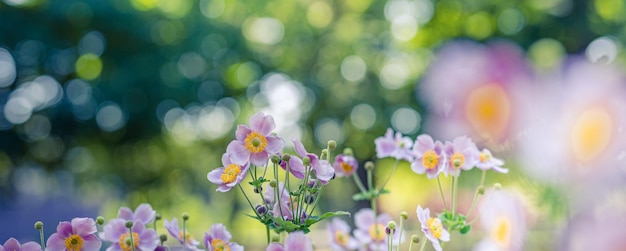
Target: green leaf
(465, 229)
(361, 196)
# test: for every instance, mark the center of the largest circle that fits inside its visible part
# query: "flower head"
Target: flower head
(370, 230)
(229, 175)
(486, 161)
(77, 235)
(13, 245)
(187, 241)
(144, 213)
(503, 218)
(429, 156)
(116, 232)
(295, 241)
(218, 239)
(397, 146)
(254, 144)
(345, 165)
(461, 153)
(432, 227)
(339, 236)
(322, 168)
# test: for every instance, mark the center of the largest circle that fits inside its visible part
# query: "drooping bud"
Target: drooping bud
(324, 154)
(404, 215)
(309, 199)
(275, 238)
(415, 239)
(258, 189)
(261, 209)
(273, 183)
(306, 161)
(158, 216)
(348, 151)
(392, 226)
(332, 144)
(163, 237)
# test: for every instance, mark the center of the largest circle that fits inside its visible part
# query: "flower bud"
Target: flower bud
(163, 237)
(415, 239)
(286, 157)
(404, 215)
(100, 220)
(369, 166)
(481, 190)
(324, 154)
(129, 224)
(497, 186)
(309, 199)
(306, 161)
(275, 159)
(332, 144)
(348, 151)
(185, 216)
(258, 189)
(275, 238)
(388, 231)
(157, 216)
(273, 183)
(391, 225)
(261, 209)
(38, 225)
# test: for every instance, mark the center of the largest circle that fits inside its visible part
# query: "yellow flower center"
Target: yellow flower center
(430, 159)
(434, 224)
(592, 133)
(125, 243)
(255, 142)
(347, 168)
(457, 160)
(377, 232)
(219, 245)
(188, 237)
(74, 243)
(230, 174)
(341, 238)
(483, 157)
(502, 232)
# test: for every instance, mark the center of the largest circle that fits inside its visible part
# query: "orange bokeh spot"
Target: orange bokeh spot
(488, 110)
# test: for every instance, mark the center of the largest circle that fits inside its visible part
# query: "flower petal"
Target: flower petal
(11, 244)
(364, 218)
(218, 231)
(84, 226)
(237, 152)
(114, 229)
(259, 159)
(262, 124)
(56, 242)
(242, 132)
(144, 213)
(149, 240)
(275, 144)
(64, 228)
(31, 246)
(298, 241)
(125, 213)
(215, 176)
(91, 242)
(275, 247)
(299, 147)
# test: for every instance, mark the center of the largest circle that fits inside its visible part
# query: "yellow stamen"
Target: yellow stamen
(430, 159)
(483, 157)
(230, 173)
(188, 238)
(255, 142)
(74, 243)
(592, 133)
(457, 160)
(502, 232)
(347, 168)
(435, 227)
(377, 232)
(125, 242)
(219, 245)
(341, 238)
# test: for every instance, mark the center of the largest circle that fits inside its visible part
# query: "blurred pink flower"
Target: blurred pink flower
(429, 156)
(295, 241)
(339, 236)
(116, 232)
(254, 144)
(398, 146)
(503, 219)
(486, 161)
(13, 245)
(322, 168)
(188, 242)
(370, 230)
(474, 89)
(345, 165)
(432, 227)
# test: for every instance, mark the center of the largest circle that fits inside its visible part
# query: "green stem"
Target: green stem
(443, 198)
(359, 184)
(267, 233)
(317, 198)
(424, 240)
(454, 192)
(393, 171)
(132, 243)
(184, 232)
(249, 203)
(482, 181)
(43, 243)
(390, 241)
(400, 234)
(410, 245)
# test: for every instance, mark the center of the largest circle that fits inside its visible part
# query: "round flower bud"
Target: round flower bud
(100, 220)
(309, 199)
(415, 239)
(275, 238)
(481, 190)
(163, 237)
(324, 154)
(404, 215)
(286, 157)
(261, 209)
(391, 225)
(275, 159)
(258, 189)
(273, 183)
(129, 224)
(369, 165)
(348, 151)
(332, 144)
(185, 216)
(306, 161)
(497, 186)
(38, 225)
(157, 216)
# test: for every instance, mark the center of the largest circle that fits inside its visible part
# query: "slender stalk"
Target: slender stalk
(400, 234)
(390, 241)
(410, 245)
(424, 240)
(443, 198)
(132, 243)
(43, 243)
(359, 184)
(184, 233)
(267, 233)
(455, 180)
(482, 181)
(249, 203)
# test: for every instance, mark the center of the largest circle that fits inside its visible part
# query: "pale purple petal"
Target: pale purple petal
(237, 152)
(11, 244)
(445, 236)
(114, 229)
(275, 144)
(235, 247)
(125, 213)
(364, 218)
(422, 215)
(207, 240)
(259, 159)
(299, 147)
(275, 247)
(64, 229)
(500, 169)
(423, 143)
(262, 124)
(384, 148)
(56, 242)
(298, 241)
(215, 176)
(113, 247)
(148, 239)
(242, 132)
(84, 226)
(91, 242)
(173, 229)
(226, 159)
(144, 213)
(31, 246)
(296, 167)
(218, 231)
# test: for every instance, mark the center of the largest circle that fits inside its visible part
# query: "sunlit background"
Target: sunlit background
(113, 103)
